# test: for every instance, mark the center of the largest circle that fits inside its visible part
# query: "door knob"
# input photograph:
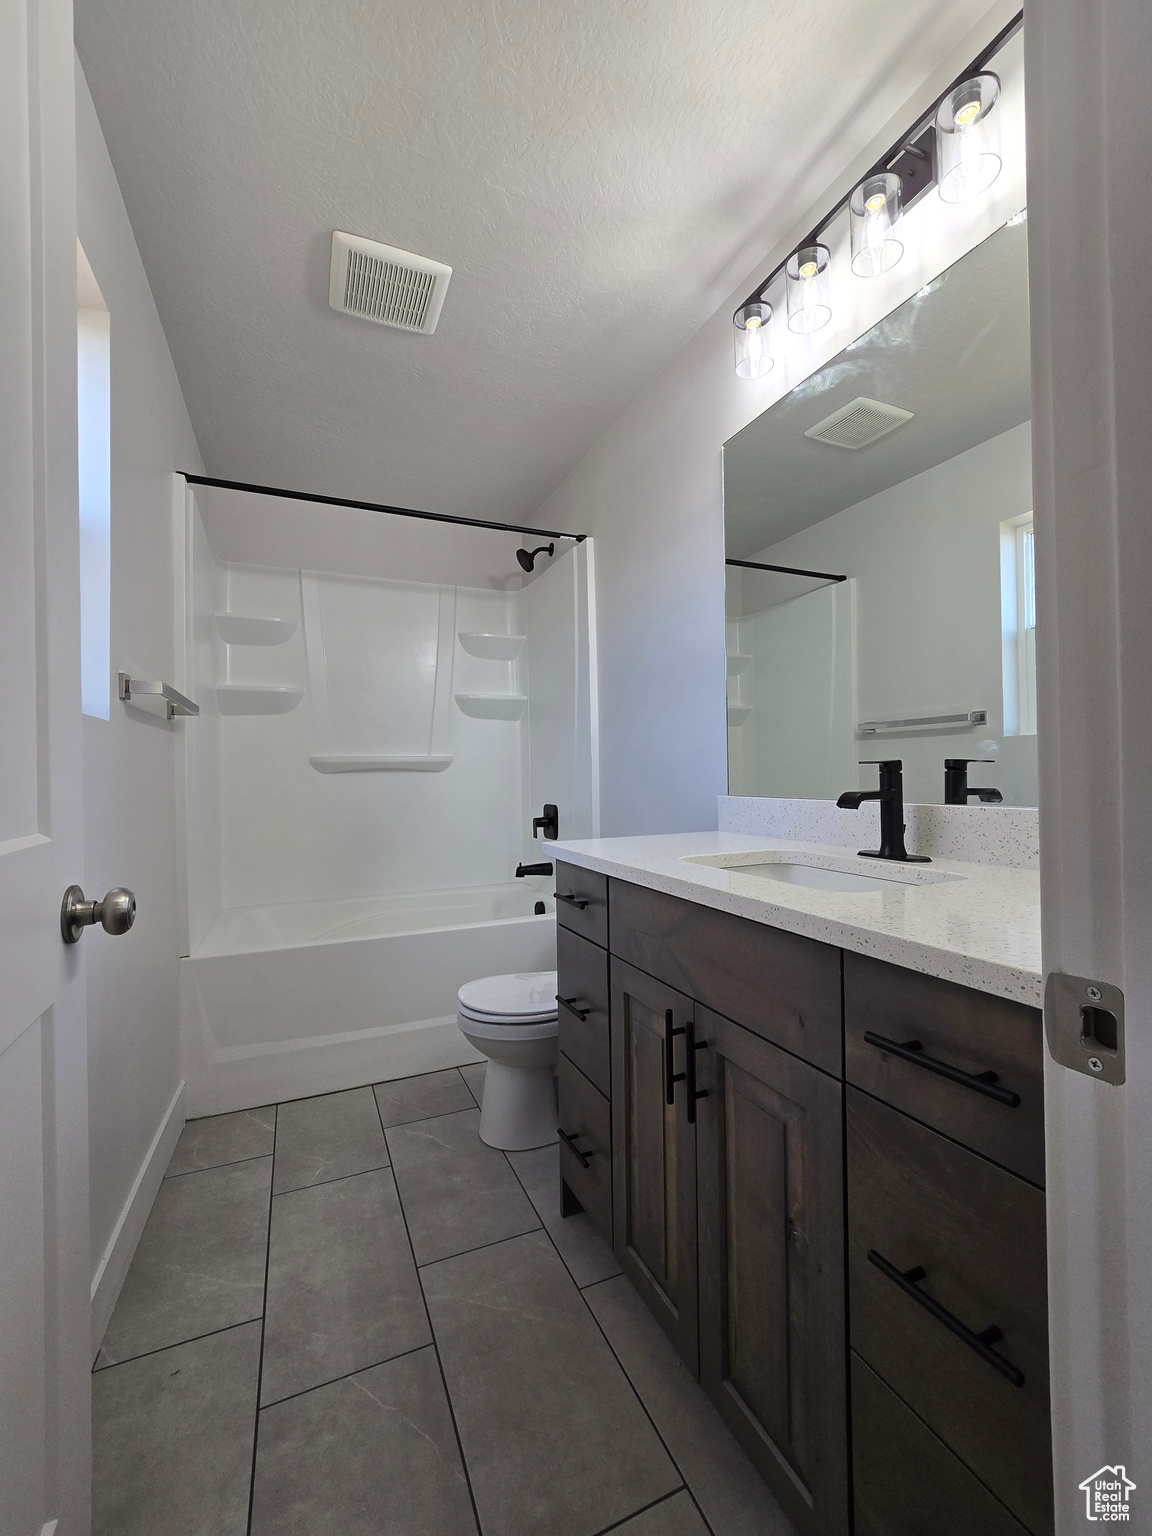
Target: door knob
(115, 914)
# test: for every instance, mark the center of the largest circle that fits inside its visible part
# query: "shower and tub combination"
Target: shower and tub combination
(385, 705)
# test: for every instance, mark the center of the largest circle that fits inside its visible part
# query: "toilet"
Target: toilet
(512, 1021)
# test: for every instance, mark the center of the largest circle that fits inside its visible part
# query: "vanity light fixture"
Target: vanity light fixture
(968, 139)
(750, 337)
(955, 146)
(874, 211)
(806, 278)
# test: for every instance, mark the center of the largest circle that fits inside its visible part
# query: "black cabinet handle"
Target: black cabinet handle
(671, 1078)
(570, 1142)
(986, 1083)
(570, 1004)
(572, 901)
(691, 1046)
(908, 1281)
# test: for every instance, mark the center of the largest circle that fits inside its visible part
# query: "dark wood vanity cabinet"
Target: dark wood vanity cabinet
(654, 1152)
(863, 1142)
(769, 1160)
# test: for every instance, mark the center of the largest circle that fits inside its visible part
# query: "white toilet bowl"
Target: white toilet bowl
(512, 1021)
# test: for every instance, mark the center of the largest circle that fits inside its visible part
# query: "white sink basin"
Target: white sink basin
(822, 874)
(817, 878)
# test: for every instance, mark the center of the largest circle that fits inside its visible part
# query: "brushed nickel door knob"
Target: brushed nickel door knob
(115, 914)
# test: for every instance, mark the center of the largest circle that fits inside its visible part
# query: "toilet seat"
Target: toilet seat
(521, 999)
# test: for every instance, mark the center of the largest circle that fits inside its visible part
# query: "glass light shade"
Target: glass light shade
(968, 139)
(874, 211)
(750, 334)
(806, 278)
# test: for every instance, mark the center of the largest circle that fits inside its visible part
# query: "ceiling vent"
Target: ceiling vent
(859, 423)
(392, 287)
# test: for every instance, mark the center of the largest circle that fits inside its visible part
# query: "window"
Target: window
(1018, 611)
(94, 428)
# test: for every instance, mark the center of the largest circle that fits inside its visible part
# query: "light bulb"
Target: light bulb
(806, 276)
(968, 139)
(874, 211)
(750, 325)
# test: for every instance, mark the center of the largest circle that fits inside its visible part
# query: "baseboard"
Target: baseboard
(113, 1266)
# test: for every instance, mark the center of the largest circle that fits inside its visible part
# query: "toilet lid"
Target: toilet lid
(524, 995)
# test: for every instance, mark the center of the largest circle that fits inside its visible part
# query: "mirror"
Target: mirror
(899, 477)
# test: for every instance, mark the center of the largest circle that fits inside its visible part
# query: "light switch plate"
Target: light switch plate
(1084, 1025)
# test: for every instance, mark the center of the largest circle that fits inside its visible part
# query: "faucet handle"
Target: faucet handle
(881, 762)
(963, 762)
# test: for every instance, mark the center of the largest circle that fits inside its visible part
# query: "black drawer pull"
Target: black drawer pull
(570, 1004)
(572, 901)
(691, 1046)
(980, 1082)
(671, 1078)
(570, 1142)
(908, 1281)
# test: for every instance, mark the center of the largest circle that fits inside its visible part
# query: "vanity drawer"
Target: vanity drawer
(905, 1481)
(586, 1119)
(582, 902)
(958, 1029)
(781, 986)
(582, 978)
(919, 1201)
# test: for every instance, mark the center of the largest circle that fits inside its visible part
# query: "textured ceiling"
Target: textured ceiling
(957, 354)
(591, 171)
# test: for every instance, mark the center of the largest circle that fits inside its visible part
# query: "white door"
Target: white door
(44, 1282)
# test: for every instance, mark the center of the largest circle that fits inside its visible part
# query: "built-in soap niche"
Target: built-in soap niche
(492, 706)
(492, 647)
(245, 699)
(251, 629)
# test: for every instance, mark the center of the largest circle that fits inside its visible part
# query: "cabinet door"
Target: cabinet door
(654, 1152)
(772, 1334)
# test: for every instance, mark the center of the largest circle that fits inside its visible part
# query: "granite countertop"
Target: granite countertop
(980, 926)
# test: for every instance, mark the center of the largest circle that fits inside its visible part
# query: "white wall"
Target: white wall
(925, 558)
(650, 488)
(129, 806)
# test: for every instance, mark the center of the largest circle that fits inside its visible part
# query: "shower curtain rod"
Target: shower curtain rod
(788, 570)
(376, 506)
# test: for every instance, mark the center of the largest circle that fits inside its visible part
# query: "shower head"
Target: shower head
(527, 557)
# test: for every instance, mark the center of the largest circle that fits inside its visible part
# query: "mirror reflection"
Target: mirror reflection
(899, 478)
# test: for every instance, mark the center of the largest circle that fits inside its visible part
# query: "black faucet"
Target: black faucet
(956, 788)
(548, 823)
(532, 869)
(891, 798)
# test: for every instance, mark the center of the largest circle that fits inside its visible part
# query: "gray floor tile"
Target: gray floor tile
(726, 1485)
(418, 1098)
(555, 1441)
(677, 1516)
(457, 1192)
(342, 1287)
(200, 1262)
(372, 1455)
(172, 1439)
(327, 1138)
(220, 1139)
(474, 1076)
(581, 1247)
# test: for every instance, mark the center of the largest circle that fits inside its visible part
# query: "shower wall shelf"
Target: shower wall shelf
(248, 629)
(370, 762)
(492, 706)
(492, 647)
(737, 663)
(738, 713)
(239, 699)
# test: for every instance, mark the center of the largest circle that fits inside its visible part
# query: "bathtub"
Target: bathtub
(279, 1002)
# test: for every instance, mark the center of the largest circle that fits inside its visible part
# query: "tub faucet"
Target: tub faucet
(891, 798)
(548, 823)
(532, 869)
(956, 787)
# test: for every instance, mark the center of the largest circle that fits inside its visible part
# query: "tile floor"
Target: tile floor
(346, 1314)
